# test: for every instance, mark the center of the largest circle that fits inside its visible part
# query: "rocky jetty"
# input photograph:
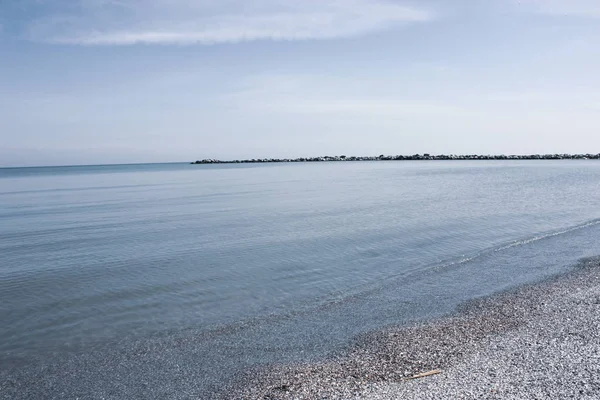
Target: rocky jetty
(414, 157)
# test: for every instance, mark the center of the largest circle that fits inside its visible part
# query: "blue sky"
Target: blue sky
(111, 81)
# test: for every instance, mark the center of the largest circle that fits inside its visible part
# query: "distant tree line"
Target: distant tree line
(407, 158)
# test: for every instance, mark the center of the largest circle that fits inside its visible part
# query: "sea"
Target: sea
(171, 280)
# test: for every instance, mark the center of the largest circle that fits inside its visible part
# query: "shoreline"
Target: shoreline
(540, 340)
(415, 157)
(371, 366)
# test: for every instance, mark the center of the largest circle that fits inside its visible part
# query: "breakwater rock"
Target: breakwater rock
(414, 157)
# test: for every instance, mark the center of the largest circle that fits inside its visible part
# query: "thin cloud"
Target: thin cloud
(127, 22)
(316, 96)
(577, 8)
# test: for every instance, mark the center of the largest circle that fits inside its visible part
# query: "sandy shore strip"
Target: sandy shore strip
(533, 342)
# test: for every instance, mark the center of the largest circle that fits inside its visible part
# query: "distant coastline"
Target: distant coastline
(415, 157)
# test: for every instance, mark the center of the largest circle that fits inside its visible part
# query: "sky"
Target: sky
(126, 81)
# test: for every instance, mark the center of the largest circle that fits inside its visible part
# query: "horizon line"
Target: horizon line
(406, 157)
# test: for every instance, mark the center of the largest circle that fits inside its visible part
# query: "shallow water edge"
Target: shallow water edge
(378, 363)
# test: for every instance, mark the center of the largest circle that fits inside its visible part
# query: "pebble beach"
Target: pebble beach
(536, 341)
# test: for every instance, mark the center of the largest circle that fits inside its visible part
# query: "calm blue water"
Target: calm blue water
(254, 258)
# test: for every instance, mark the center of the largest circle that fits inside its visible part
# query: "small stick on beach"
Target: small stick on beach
(424, 374)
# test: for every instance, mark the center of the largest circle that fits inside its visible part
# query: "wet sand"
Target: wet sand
(535, 341)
